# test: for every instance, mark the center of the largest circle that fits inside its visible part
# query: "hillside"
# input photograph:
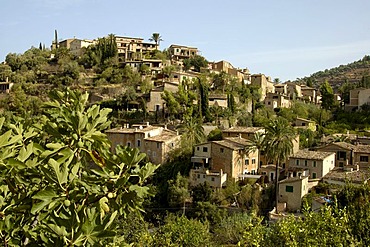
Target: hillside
(353, 73)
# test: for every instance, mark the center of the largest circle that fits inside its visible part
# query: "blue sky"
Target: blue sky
(284, 39)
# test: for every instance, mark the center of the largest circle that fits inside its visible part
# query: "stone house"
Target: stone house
(294, 90)
(154, 101)
(318, 164)
(243, 132)
(281, 88)
(155, 141)
(357, 98)
(215, 179)
(350, 174)
(76, 46)
(180, 52)
(291, 192)
(264, 82)
(228, 156)
(309, 94)
(277, 100)
(217, 100)
(349, 154)
(305, 124)
(6, 85)
(269, 172)
(64, 43)
(130, 48)
(228, 68)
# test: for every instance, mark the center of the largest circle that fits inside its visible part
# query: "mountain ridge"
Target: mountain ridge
(352, 73)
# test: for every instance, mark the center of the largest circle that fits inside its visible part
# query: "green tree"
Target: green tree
(192, 133)
(196, 61)
(178, 192)
(172, 105)
(327, 94)
(257, 144)
(204, 99)
(220, 81)
(278, 146)
(180, 231)
(201, 193)
(215, 135)
(60, 184)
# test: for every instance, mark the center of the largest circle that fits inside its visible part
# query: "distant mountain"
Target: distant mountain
(353, 73)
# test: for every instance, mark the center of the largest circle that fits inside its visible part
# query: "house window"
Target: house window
(197, 148)
(253, 161)
(213, 179)
(364, 158)
(128, 144)
(314, 163)
(158, 145)
(204, 176)
(305, 163)
(138, 143)
(297, 162)
(314, 175)
(198, 176)
(341, 155)
(221, 150)
(288, 188)
(246, 162)
(154, 154)
(205, 149)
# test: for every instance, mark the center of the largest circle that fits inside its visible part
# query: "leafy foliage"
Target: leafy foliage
(60, 184)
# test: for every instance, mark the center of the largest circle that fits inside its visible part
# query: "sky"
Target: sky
(285, 39)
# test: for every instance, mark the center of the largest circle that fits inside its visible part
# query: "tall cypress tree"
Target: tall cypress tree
(204, 100)
(56, 39)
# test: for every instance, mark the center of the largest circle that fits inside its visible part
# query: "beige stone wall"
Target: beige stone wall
(293, 199)
(338, 160)
(364, 97)
(321, 168)
(155, 151)
(230, 161)
(199, 176)
(251, 162)
(222, 158)
(354, 97)
(360, 159)
(119, 139)
(155, 99)
(203, 150)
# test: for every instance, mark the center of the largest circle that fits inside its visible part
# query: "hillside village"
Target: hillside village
(161, 99)
(216, 161)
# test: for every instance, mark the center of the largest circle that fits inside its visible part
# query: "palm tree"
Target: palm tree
(256, 144)
(193, 132)
(157, 38)
(279, 145)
